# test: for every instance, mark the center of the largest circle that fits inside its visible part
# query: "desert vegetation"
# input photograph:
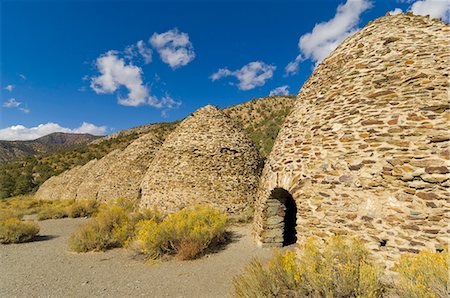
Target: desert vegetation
(423, 275)
(13, 230)
(19, 206)
(185, 234)
(342, 267)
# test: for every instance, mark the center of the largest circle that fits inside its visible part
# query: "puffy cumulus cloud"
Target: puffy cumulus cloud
(22, 133)
(252, 75)
(326, 36)
(433, 8)
(396, 11)
(173, 47)
(116, 73)
(282, 90)
(10, 88)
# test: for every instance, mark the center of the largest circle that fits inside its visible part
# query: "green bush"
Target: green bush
(423, 275)
(341, 269)
(13, 230)
(186, 234)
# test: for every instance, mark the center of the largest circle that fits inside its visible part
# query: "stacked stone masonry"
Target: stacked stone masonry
(365, 151)
(208, 159)
(117, 175)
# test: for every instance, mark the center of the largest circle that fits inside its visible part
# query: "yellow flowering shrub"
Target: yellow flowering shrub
(13, 230)
(423, 275)
(186, 233)
(45, 209)
(114, 226)
(341, 268)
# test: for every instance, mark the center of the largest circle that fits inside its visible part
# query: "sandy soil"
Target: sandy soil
(45, 268)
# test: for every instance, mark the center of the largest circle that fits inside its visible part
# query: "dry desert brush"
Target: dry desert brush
(342, 268)
(423, 275)
(13, 230)
(186, 234)
(114, 226)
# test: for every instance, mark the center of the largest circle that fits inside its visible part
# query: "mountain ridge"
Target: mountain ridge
(10, 150)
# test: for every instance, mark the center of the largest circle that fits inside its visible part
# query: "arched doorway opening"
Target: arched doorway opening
(282, 217)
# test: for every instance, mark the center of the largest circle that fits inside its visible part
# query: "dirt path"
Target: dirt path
(45, 268)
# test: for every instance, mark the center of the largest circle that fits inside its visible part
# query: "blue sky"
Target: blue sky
(101, 66)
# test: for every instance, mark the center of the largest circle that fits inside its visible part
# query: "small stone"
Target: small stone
(372, 122)
(411, 227)
(431, 231)
(434, 178)
(431, 204)
(437, 170)
(427, 196)
(355, 167)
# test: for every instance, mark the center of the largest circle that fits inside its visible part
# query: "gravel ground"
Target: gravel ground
(45, 268)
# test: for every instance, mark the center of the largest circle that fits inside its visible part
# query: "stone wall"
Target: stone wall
(208, 159)
(366, 149)
(116, 175)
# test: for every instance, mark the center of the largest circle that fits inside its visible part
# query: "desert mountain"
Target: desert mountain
(10, 150)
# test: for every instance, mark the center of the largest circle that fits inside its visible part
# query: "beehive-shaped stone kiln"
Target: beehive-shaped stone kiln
(208, 159)
(117, 175)
(366, 149)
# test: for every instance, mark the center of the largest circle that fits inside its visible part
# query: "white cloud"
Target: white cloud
(395, 11)
(10, 88)
(282, 90)
(173, 47)
(434, 8)
(24, 110)
(11, 103)
(20, 132)
(145, 52)
(292, 66)
(326, 36)
(22, 76)
(252, 75)
(116, 73)
(138, 49)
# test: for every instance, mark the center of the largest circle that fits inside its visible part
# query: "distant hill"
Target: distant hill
(261, 118)
(10, 150)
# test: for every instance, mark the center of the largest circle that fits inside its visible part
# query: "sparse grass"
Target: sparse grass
(423, 275)
(341, 269)
(186, 234)
(24, 205)
(13, 230)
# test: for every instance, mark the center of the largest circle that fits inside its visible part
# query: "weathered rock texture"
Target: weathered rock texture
(117, 175)
(366, 149)
(124, 177)
(65, 185)
(207, 159)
